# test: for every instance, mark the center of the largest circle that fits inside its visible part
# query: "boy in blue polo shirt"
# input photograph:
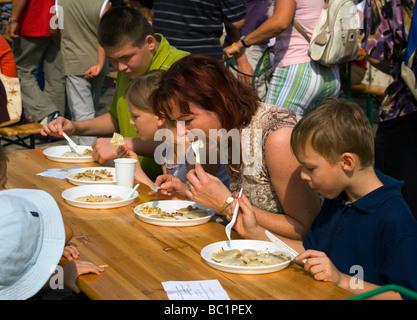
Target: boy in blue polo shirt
(364, 227)
(365, 236)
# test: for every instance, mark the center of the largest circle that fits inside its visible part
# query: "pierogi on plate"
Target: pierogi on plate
(99, 198)
(86, 152)
(94, 175)
(188, 212)
(249, 257)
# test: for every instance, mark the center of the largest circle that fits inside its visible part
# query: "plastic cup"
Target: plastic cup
(125, 171)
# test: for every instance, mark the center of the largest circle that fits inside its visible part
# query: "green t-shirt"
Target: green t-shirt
(163, 59)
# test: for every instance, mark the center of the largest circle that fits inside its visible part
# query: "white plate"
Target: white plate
(71, 194)
(55, 154)
(264, 246)
(72, 173)
(172, 206)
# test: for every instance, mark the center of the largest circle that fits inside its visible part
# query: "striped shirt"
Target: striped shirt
(196, 26)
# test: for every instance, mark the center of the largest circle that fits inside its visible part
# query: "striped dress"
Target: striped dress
(297, 82)
(300, 87)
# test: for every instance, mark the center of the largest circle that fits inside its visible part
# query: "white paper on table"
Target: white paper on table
(195, 290)
(59, 173)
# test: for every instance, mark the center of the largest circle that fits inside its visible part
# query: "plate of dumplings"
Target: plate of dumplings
(246, 256)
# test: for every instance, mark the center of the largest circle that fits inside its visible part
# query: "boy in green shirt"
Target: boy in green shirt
(133, 49)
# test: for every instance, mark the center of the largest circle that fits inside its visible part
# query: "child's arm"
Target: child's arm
(70, 251)
(95, 70)
(76, 268)
(248, 227)
(322, 268)
(124, 152)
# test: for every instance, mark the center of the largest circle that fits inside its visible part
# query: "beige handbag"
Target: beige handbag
(10, 100)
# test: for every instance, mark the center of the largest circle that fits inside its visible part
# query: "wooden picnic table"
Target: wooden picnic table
(141, 256)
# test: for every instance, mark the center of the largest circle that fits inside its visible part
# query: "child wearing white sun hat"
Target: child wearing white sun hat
(32, 240)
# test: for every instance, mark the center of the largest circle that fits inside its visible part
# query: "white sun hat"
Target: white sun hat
(32, 239)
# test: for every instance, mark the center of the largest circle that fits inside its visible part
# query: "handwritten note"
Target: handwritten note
(195, 290)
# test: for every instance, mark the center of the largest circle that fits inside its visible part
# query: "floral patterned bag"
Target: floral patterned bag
(10, 100)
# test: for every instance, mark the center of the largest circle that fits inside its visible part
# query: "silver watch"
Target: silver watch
(228, 201)
(242, 39)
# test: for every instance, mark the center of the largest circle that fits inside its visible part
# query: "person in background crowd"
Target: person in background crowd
(246, 63)
(298, 83)
(32, 44)
(385, 42)
(85, 61)
(196, 26)
(144, 6)
(7, 62)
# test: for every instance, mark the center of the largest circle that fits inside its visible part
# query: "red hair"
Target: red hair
(207, 83)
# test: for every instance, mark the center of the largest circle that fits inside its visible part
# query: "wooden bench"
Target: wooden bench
(371, 89)
(21, 132)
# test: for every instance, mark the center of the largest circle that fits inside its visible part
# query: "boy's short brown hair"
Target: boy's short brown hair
(333, 127)
(120, 25)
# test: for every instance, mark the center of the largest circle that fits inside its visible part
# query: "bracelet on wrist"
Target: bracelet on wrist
(233, 45)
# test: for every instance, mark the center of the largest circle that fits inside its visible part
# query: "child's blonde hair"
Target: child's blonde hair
(333, 127)
(139, 90)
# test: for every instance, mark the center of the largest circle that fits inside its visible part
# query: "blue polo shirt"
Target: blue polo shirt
(377, 232)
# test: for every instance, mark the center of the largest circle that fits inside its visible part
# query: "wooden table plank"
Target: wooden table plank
(140, 256)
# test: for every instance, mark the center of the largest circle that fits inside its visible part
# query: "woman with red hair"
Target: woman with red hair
(203, 96)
